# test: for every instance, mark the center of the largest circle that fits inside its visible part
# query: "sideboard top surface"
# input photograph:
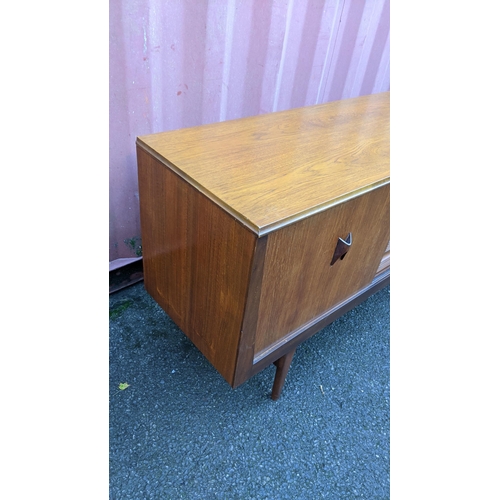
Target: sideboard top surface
(273, 169)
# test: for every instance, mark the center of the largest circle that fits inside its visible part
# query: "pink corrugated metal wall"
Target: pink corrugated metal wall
(180, 63)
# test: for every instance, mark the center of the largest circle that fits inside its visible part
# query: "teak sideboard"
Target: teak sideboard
(259, 232)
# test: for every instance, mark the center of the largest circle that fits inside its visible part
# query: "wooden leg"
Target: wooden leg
(282, 366)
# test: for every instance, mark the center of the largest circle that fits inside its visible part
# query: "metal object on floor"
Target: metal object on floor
(125, 275)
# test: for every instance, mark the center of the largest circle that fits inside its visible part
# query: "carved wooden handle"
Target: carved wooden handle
(341, 249)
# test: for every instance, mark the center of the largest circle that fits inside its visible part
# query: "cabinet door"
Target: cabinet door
(300, 283)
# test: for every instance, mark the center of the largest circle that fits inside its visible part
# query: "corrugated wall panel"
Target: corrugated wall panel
(180, 63)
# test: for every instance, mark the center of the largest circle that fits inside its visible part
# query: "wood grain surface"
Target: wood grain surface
(197, 261)
(385, 262)
(270, 170)
(299, 284)
(240, 221)
(246, 348)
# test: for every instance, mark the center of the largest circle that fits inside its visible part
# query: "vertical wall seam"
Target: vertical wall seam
(154, 65)
(283, 55)
(329, 59)
(329, 52)
(228, 46)
(383, 70)
(362, 61)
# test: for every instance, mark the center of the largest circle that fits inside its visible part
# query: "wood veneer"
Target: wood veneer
(298, 273)
(273, 169)
(196, 262)
(240, 221)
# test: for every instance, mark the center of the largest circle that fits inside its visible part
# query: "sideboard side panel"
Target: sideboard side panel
(197, 261)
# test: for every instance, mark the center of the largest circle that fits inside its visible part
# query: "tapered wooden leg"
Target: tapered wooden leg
(282, 366)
